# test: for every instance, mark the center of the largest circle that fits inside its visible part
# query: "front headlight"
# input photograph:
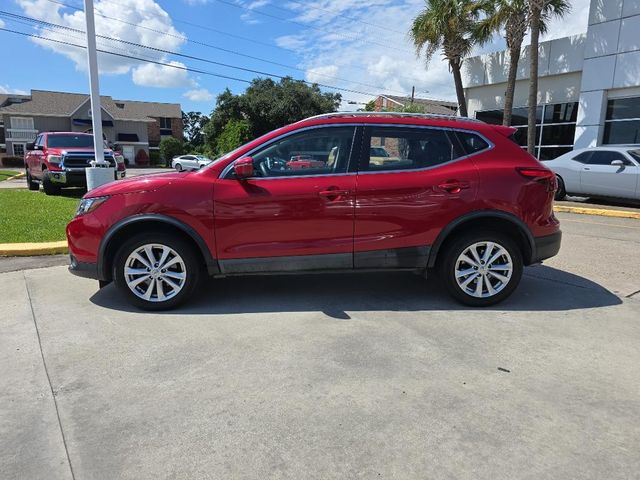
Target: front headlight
(88, 205)
(54, 159)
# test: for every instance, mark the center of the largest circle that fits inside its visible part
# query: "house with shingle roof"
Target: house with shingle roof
(393, 102)
(130, 126)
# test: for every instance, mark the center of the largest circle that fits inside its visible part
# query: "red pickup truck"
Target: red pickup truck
(59, 159)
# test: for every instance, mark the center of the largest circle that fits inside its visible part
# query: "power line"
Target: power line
(14, 16)
(185, 68)
(233, 52)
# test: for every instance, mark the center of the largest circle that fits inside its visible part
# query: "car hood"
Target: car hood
(142, 183)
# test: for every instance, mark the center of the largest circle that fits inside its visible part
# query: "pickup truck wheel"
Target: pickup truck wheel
(481, 268)
(30, 183)
(48, 186)
(156, 271)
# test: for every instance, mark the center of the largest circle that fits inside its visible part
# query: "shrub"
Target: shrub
(11, 161)
(142, 158)
(170, 147)
(154, 157)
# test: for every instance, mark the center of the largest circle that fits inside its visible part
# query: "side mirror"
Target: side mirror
(243, 168)
(31, 146)
(617, 163)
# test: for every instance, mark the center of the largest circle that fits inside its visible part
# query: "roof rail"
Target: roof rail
(391, 114)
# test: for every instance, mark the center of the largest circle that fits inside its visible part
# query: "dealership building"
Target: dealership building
(589, 84)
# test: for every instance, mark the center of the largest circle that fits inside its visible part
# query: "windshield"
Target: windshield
(635, 154)
(378, 152)
(71, 141)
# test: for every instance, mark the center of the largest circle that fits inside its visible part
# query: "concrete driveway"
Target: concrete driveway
(353, 376)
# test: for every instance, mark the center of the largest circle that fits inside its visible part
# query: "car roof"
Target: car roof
(399, 118)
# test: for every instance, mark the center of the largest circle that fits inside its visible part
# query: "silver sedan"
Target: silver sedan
(609, 172)
(189, 162)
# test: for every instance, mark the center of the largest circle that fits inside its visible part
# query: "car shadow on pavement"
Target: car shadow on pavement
(542, 289)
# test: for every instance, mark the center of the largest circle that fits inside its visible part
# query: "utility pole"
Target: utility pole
(413, 93)
(92, 60)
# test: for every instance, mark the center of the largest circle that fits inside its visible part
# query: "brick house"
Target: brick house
(129, 126)
(392, 102)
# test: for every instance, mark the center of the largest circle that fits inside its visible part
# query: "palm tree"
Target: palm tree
(539, 12)
(449, 25)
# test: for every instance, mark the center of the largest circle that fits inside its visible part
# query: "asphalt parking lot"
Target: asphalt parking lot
(352, 376)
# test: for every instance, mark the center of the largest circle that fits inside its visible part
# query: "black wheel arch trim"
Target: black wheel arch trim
(103, 268)
(499, 214)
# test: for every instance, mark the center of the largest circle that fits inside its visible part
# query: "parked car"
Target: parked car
(608, 172)
(190, 162)
(59, 159)
(474, 217)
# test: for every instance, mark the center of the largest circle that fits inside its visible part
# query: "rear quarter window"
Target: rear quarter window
(471, 142)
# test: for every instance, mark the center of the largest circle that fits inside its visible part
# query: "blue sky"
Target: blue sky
(357, 45)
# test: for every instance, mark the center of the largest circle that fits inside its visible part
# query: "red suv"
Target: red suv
(59, 159)
(450, 195)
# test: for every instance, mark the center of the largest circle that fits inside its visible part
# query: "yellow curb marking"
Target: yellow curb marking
(602, 223)
(597, 211)
(29, 249)
(20, 175)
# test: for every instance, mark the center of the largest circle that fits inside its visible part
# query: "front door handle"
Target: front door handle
(586, 168)
(454, 186)
(333, 193)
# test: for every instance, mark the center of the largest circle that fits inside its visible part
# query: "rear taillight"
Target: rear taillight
(541, 175)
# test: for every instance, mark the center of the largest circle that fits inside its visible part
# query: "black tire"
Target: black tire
(190, 258)
(178, 167)
(48, 186)
(31, 184)
(447, 268)
(561, 192)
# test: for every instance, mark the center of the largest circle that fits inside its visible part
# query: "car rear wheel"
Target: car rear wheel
(482, 268)
(156, 271)
(561, 192)
(178, 167)
(30, 183)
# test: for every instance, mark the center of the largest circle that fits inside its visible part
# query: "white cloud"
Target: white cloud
(248, 16)
(144, 18)
(153, 75)
(6, 89)
(321, 74)
(2, 24)
(199, 95)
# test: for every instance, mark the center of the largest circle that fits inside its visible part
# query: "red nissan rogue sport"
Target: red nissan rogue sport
(337, 192)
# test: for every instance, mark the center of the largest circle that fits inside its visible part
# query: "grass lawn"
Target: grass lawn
(27, 216)
(4, 174)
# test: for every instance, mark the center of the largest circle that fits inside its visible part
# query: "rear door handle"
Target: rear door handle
(333, 193)
(454, 186)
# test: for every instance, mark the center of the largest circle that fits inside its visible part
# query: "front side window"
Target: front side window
(321, 151)
(635, 154)
(393, 148)
(605, 157)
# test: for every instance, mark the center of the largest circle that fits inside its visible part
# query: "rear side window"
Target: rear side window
(398, 148)
(472, 143)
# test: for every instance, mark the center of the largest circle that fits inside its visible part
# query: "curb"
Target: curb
(597, 211)
(32, 249)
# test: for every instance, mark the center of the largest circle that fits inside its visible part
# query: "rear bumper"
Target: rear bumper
(546, 247)
(83, 269)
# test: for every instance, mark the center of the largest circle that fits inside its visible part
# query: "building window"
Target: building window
(622, 123)
(165, 126)
(555, 127)
(18, 149)
(22, 123)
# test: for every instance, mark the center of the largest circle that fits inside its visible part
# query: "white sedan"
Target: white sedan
(189, 162)
(612, 172)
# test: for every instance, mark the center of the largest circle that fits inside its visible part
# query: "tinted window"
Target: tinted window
(622, 132)
(38, 140)
(319, 151)
(551, 153)
(471, 143)
(605, 157)
(558, 134)
(582, 157)
(491, 116)
(408, 148)
(520, 116)
(620, 108)
(73, 141)
(635, 154)
(561, 113)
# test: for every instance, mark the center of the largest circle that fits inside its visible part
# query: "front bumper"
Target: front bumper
(546, 247)
(83, 269)
(75, 177)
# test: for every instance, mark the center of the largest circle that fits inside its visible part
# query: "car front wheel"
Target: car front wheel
(30, 183)
(156, 271)
(482, 269)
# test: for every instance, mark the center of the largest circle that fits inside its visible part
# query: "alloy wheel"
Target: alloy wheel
(155, 272)
(483, 269)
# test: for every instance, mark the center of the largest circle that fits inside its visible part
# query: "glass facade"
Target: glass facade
(622, 123)
(555, 127)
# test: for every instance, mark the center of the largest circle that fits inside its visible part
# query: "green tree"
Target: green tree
(511, 15)
(170, 147)
(234, 134)
(193, 124)
(450, 25)
(539, 12)
(370, 106)
(267, 105)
